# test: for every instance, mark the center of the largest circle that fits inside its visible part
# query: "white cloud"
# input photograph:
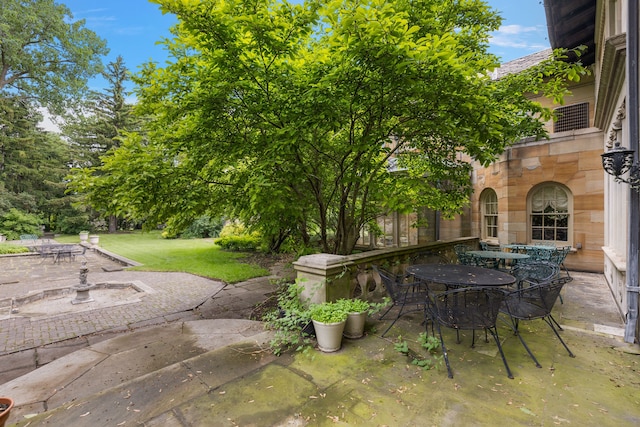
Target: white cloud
(529, 38)
(516, 29)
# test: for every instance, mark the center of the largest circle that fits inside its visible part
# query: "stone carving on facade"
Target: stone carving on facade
(616, 126)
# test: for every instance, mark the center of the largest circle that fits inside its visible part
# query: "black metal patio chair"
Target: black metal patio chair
(534, 272)
(462, 253)
(533, 301)
(558, 256)
(467, 309)
(406, 292)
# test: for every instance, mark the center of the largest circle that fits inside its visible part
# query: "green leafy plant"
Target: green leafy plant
(204, 226)
(358, 305)
(14, 222)
(427, 342)
(8, 248)
(354, 305)
(328, 312)
(290, 321)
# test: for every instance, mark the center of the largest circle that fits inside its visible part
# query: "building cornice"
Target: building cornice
(611, 80)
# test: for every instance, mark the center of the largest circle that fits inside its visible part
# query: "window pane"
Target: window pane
(489, 208)
(563, 221)
(536, 220)
(562, 234)
(536, 234)
(549, 234)
(550, 214)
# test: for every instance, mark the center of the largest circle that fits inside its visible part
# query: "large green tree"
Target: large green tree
(97, 130)
(33, 164)
(314, 118)
(46, 57)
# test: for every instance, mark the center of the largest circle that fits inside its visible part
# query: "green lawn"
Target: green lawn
(196, 256)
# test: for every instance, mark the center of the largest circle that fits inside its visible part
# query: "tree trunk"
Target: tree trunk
(113, 224)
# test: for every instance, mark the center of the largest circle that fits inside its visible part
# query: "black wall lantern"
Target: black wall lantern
(619, 160)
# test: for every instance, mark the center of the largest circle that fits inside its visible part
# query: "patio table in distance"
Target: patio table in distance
(499, 256)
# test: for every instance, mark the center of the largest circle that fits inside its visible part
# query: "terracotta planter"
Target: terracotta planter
(4, 414)
(354, 327)
(329, 335)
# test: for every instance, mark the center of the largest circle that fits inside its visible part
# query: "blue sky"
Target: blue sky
(133, 27)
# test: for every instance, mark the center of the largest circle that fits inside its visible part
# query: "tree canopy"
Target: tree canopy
(312, 119)
(44, 55)
(96, 130)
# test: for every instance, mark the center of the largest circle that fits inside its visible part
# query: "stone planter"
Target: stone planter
(6, 404)
(354, 327)
(94, 240)
(329, 335)
(84, 236)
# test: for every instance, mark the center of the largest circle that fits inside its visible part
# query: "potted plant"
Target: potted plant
(357, 312)
(329, 319)
(6, 404)
(84, 236)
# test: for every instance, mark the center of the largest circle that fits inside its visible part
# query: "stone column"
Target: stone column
(325, 277)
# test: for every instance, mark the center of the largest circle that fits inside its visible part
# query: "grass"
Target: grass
(197, 256)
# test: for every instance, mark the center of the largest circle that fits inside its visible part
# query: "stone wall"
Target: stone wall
(327, 277)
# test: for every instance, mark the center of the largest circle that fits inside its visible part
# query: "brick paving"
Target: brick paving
(171, 296)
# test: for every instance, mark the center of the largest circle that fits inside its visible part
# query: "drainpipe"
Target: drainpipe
(634, 196)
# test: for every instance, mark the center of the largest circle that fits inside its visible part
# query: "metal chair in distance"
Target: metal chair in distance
(405, 292)
(467, 309)
(533, 301)
(558, 256)
(462, 253)
(486, 246)
(534, 272)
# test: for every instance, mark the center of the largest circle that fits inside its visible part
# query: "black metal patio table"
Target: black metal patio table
(459, 275)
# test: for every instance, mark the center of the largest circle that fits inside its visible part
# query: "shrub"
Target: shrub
(242, 243)
(8, 248)
(204, 226)
(14, 223)
(72, 224)
(235, 237)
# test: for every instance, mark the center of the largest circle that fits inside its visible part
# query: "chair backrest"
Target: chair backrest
(535, 272)
(467, 308)
(535, 301)
(486, 246)
(462, 255)
(558, 256)
(391, 283)
(458, 249)
(538, 253)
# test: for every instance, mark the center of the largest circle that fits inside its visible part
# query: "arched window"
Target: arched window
(550, 208)
(489, 210)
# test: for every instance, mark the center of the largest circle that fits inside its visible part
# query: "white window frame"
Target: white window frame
(489, 213)
(549, 200)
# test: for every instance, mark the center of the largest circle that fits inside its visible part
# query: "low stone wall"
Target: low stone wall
(328, 277)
